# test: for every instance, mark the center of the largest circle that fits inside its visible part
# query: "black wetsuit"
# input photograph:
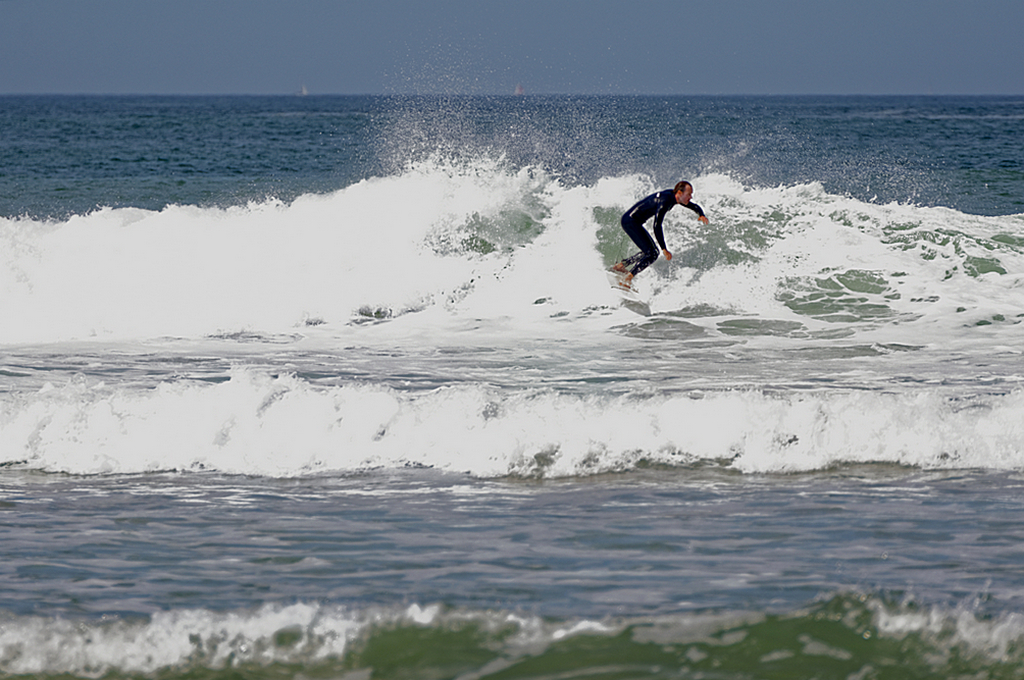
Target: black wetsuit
(655, 205)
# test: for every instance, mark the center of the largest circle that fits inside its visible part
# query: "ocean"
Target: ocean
(321, 387)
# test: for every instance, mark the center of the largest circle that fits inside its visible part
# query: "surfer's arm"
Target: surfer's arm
(659, 234)
(697, 209)
(666, 199)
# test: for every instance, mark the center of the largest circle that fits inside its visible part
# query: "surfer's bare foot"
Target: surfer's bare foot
(621, 268)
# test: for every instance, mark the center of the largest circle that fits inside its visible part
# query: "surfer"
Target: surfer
(655, 205)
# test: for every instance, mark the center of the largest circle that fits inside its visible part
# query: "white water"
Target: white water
(282, 427)
(915, 360)
(397, 245)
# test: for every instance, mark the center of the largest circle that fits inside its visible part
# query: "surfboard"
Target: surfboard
(619, 284)
(631, 298)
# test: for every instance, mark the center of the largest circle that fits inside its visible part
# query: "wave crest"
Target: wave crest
(847, 635)
(255, 424)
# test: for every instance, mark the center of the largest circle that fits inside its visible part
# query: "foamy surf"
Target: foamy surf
(254, 424)
(847, 634)
(478, 240)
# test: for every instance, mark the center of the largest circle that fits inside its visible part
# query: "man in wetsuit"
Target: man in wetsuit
(655, 205)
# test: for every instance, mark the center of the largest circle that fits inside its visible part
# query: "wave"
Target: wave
(479, 239)
(846, 635)
(256, 424)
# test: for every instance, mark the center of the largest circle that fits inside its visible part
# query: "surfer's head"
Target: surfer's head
(684, 192)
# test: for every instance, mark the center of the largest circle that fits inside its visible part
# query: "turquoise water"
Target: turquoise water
(336, 387)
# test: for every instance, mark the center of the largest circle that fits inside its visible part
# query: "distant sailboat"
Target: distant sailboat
(519, 89)
(303, 92)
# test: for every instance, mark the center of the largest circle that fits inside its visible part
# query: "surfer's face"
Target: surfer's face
(683, 196)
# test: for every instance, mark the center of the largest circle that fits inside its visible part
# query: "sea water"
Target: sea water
(335, 387)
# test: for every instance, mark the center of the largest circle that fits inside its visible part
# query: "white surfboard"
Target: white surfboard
(626, 289)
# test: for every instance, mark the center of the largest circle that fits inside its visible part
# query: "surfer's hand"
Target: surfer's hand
(702, 219)
(668, 255)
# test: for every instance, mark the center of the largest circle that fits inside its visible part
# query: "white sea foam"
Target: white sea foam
(38, 645)
(474, 253)
(259, 425)
(479, 241)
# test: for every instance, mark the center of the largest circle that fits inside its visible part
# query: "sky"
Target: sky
(679, 47)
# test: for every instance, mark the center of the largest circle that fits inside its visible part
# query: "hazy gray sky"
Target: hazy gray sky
(549, 46)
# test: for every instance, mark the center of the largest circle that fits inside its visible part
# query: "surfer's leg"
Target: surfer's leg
(635, 264)
(627, 263)
(643, 264)
(648, 250)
